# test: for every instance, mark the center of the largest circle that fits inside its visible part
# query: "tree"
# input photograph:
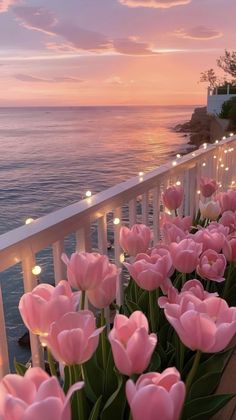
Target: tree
(209, 77)
(227, 63)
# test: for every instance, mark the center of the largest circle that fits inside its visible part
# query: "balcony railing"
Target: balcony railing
(143, 191)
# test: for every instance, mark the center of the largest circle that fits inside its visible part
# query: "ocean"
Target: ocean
(51, 156)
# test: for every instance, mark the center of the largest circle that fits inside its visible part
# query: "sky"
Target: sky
(110, 52)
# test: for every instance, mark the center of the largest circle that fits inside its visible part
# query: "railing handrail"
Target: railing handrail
(48, 229)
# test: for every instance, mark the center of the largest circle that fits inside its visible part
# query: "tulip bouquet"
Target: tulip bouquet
(158, 356)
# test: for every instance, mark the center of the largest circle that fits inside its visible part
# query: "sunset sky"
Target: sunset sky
(107, 52)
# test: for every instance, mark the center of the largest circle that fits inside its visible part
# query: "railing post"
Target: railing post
(145, 211)
(118, 253)
(156, 213)
(59, 266)
(83, 239)
(30, 281)
(102, 247)
(132, 212)
(4, 358)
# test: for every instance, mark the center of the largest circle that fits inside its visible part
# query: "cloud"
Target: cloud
(37, 18)
(75, 37)
(5, 4)
(116, 80)
(35, 79)
(199, 32)
(156, 4)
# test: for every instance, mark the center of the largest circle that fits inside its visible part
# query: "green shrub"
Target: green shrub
(226, 107)
(232, 114)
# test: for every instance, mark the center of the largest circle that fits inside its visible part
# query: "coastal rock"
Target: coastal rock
(199, 127)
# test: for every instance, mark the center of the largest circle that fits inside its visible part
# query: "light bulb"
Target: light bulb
(88, 193)
(29, 220)
(116, 221)
(36, 270)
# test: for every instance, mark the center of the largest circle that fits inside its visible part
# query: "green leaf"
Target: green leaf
(67, 383)
(205, 385)
(132, 306)
(20, 368)
(94, 415)
(115, 405)
(214, 363)
(91, 370)
(155, 362)
(110, 376)
(205, 407)
(143, 301)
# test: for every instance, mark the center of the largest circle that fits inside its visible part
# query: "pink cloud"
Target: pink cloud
(5, 4)
(36, 79)
(75, 37)
(37, 18)
(199, 32)
(162, 4)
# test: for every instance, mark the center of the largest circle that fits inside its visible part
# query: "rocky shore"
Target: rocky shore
(198, 128)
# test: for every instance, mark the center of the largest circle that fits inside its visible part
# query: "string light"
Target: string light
(178, 156)
(231, 134)
(29, 220)
(214, 157)
(204, 164)
(116, 221)
(178, 183)
(198, 192)
(174, 163)
(36, 270)
(217, 141)
(122, 258)
(140, 173)
(222, 165)
(233, 182)
(225, 151)
(226, 169)
(88, 193)
(204, 145)
(224, 138)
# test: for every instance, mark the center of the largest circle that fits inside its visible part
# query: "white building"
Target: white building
(217, 96)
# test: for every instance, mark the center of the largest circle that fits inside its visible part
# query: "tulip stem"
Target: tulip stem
(227, 281)
(51, 363)
(176, 213)
(103, 338)
(193, 370)
(130, 415)
(151, 295)
(183, 279)
(78, 406)
(82, 303)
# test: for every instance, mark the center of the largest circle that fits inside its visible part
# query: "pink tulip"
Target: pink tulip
(228, 219)
(207, 325)
(210, 210)
(151, 271)
(212, 266)
(135, 240)
(183, 223)
(185, 255)
(132, 346)
(193, 287)
(73, 338)
(215, 227)
(86, 270)
(45, 304)
(156, 396)
(105, 293)
(227, 200)
(229, 249)
(172, 233)
(173, 197)
(35, 396)
(208, 186)
(210, 239)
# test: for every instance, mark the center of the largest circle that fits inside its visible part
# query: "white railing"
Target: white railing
(21, 245)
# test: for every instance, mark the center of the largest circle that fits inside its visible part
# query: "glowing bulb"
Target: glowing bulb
(226, 169)
(231, 134)
(140, 173)
(174, 163)
(88, 194)
(204, 164)
(222, 165)
(122, 258)
(220, 160)
(178, 156)
(204, 145)
(214, 157)
(225, 151)
(193, 154)
(233, 182)
(178, 183)
(116, 221)
(29, 220)
(224, 138)
(36, 270)
(198, 192)
(217, 141)
(220, 185)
